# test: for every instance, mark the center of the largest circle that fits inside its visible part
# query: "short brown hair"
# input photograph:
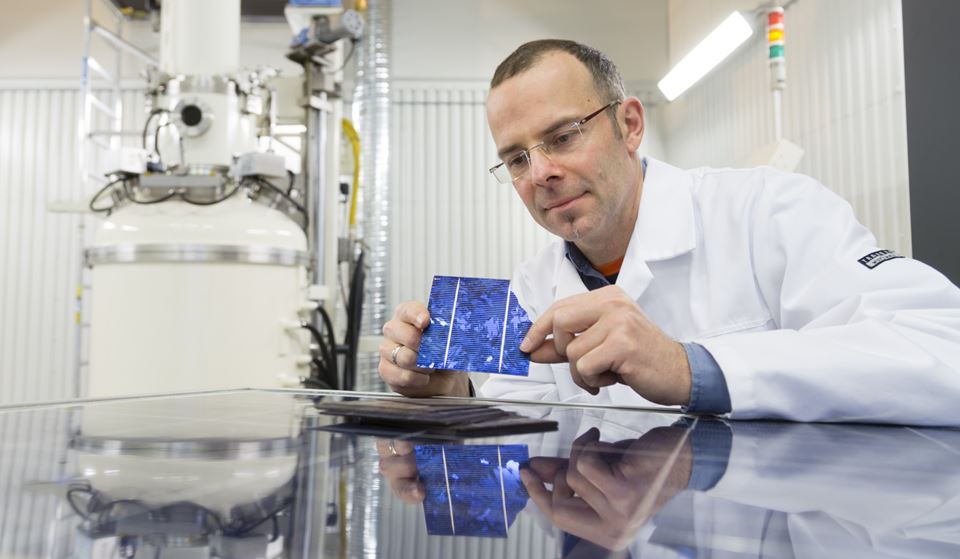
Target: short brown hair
(606, 77)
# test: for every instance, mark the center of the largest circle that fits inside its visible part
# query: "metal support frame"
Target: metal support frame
(94, 140)
(312, 490)
(324, 110)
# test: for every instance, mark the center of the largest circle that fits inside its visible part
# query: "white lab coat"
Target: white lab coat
(761, 268)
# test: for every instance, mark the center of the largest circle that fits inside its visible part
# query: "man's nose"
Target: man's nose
(542, 167)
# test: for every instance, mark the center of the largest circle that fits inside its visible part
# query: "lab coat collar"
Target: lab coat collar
(665, 226)
(665, 229)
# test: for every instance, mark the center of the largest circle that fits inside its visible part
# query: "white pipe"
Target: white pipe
(200, 38)
(778, 114)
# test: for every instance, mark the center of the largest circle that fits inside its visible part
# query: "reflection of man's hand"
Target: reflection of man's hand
(398, 464)
(606, 491)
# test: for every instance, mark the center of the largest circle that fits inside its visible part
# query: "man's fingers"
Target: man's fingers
(547, 467)
(578, 380)
(594, 369)
(594, 468)
(403, 447)
(413, 312)
(410, 491)
(589, 436)
(397, 377)
(583, 345)
(399, 332)
(399, 467)
(538, 492)
(547, 353)
(406, 357)
(538, 331)
(561, 489)
(393, 447)
(563, 319)
(606, 378)
(597, 362)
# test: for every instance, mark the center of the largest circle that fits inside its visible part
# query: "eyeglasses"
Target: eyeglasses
(561, 142)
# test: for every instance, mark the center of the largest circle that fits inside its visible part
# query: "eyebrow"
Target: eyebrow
(557, 124)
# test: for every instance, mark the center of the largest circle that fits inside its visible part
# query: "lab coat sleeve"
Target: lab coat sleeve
(852, 343)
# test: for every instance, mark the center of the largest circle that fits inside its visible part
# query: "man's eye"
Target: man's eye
(516, 161)
(564, 139)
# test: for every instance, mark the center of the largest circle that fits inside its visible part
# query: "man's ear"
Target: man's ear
(632, 122)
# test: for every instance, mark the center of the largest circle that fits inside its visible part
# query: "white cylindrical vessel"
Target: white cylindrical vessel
(199, 38)
(151, 454)
(197, 297)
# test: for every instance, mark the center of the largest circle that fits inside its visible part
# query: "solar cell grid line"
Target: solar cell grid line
(503, 492)
(503, 335)
(446, 479)
(453, 318)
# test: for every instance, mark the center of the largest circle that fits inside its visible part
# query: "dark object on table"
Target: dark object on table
(433, 416)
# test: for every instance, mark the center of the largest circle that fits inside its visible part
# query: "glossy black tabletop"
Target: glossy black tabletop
(263, 474)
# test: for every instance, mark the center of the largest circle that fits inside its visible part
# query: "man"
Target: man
(752, 292)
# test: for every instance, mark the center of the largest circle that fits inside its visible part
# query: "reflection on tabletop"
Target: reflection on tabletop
(259, 474)
(700, 486)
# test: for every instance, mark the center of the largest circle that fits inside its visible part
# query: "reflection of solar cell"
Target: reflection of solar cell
(476, 324)
(471, 490)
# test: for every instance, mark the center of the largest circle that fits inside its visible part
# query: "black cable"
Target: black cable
(99, 193)
(264, 182)
(292, 179)
(76, 508)
(245, 529)
(278, 190)
(156, 142)
(346, 59)
(313, 382)
(146, 125)
(211, 202)
(321, 343)
(332, 339)
(328, 366)
(276, 529)
(354, 319)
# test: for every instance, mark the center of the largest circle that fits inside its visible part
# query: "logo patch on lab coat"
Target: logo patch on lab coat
(874, 259)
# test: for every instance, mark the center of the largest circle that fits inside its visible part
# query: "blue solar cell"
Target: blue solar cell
(476, 324)
(471, 490)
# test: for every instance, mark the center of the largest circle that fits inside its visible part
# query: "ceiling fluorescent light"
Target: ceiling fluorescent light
(704, 57)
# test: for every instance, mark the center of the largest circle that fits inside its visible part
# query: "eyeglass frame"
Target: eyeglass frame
(526, 152)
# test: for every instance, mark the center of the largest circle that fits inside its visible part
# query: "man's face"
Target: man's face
(583, 196)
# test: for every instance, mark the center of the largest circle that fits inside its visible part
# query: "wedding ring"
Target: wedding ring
(393, 354)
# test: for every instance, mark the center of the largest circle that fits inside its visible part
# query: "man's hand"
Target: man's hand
(605, 492)
(404, 377)
(607, 339)
(399, 465)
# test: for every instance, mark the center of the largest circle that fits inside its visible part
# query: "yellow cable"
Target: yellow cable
(351, 133)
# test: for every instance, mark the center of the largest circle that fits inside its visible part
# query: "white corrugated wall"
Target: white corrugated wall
(844, 104)
(40, 250)
(35, 520)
